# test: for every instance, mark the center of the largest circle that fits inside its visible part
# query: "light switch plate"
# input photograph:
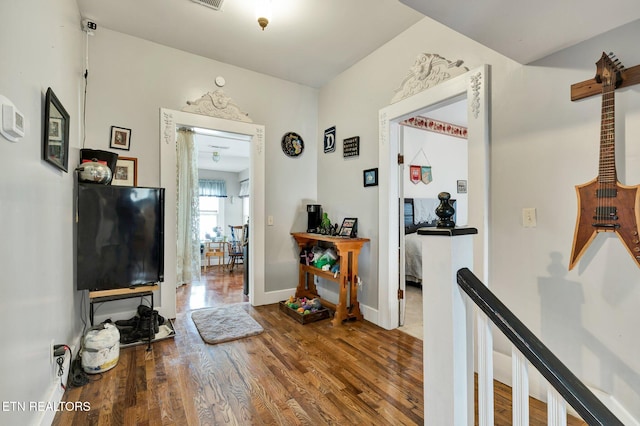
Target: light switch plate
(13, 122)
(529, 217)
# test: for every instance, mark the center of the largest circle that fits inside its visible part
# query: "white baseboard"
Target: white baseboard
(369, 313)
(277, 296)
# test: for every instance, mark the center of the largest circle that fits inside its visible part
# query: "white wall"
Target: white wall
(131, 79)
(40, 46)
(541, 146)
(351, 102)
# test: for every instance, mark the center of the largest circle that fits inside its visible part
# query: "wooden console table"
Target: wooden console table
(348, 249)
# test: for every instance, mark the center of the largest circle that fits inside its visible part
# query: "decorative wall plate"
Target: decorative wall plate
(292, 144)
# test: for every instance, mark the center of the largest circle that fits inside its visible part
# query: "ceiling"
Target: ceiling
(232, 148)
(529, 30)
(307, 41)
(311, 41)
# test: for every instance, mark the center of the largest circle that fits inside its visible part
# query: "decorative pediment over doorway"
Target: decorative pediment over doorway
(217, 104)
(427, 71)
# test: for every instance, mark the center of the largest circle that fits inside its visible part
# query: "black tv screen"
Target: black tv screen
(120, 236)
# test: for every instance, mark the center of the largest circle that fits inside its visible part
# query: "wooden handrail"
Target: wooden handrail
(586, 404)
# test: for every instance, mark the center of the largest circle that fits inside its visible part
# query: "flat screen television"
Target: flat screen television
(120, 236)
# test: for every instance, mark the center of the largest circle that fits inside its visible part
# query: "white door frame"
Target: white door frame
(473, 84)
(169, 120)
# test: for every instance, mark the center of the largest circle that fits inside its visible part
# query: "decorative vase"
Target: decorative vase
(94, 172)
(445, 211)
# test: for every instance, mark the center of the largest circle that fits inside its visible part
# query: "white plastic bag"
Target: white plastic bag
(101, 348)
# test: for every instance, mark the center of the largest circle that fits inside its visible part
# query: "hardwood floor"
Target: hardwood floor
(291, 374)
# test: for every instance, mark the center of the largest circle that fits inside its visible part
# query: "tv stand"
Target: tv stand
(101, 296)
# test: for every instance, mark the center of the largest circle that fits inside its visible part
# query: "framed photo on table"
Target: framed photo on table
(349, 228)
(126, 173)
(120, 138)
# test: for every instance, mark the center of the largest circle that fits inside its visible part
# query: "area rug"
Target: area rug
(225, 323)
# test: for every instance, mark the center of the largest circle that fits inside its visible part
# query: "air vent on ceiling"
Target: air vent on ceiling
(213, 4)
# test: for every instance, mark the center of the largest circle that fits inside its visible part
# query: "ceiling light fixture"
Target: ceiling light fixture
(263, 12)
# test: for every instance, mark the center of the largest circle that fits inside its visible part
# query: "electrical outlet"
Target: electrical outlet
(529, 217)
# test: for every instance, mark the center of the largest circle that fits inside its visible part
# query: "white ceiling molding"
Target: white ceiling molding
(427, 71)
(217, 104)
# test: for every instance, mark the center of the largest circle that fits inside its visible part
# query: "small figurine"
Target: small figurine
(325, 224)
(445, 211)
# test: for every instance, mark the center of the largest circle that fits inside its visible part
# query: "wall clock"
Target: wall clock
(292, 144)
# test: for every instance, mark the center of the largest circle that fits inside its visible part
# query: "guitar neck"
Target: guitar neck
(607, 165)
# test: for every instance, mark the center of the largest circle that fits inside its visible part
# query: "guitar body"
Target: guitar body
(606, 208)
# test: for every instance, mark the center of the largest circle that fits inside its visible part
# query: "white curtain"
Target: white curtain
(188, 209)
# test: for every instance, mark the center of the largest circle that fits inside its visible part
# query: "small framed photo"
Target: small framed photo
(462, 187)
(349, 228)
(126, 173)
(120, 138)
(371, 177)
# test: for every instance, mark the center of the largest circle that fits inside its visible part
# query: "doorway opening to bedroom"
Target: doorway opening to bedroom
(434, 147)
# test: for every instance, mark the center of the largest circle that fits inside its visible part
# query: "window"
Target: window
(210, 218)
(245, 209)
(244, 195)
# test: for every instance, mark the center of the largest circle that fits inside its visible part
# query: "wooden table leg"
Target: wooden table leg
(354, 306)
(341, 307)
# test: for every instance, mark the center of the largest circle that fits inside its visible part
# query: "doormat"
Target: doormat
(225, 323)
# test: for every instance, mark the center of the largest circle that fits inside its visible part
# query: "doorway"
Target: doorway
(436, 143)
(473, 87)
(224, 167)
(169, 121)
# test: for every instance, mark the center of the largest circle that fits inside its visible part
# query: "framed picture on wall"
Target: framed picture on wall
(462, 186)
(55, 148)
(120, 138)
(370, 177)
(126, 173)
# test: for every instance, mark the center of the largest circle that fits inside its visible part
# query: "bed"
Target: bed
(418, 213)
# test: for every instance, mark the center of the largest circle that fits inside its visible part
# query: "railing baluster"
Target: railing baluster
(485, 371)
(556, 408)
(519, 388)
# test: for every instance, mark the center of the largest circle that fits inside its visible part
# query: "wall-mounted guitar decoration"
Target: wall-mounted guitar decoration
(604, 204)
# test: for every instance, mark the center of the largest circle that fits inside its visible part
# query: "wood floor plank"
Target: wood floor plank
(291, 374)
